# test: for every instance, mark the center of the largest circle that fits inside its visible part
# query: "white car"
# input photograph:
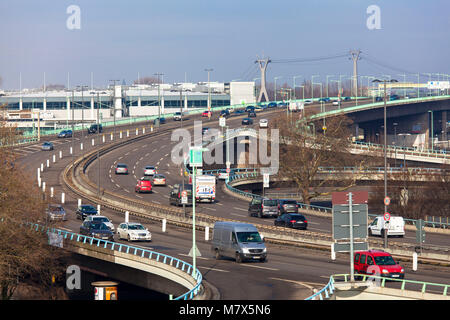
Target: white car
(149, 171)
(396, 226)
(133, 231)
(335, 103)
(263, 123)
(97, 218)
(308, 101)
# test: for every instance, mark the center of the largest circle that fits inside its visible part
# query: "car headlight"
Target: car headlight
(245, 250)
(384, 271)
(265, 250)
(402, 270)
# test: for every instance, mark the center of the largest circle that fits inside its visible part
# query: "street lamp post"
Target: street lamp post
(209, 93)
(159, 96)
(113, 105)
(295, 96)
(312, 87)
(327, 82)
(432, 131)
(395, 143)
(384, 148)
(275, 87)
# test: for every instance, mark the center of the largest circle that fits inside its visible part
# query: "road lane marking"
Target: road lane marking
(239, 215)
(212, 269)
(117, 185)
(239, 209)
(296, 282)
(259, 267)
(186, 255)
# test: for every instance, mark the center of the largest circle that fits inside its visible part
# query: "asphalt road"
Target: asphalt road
(290, 273)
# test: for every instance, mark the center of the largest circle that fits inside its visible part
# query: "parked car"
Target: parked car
(287, 206)
(149, 171)
(121, 168)
(263, 123)
(55, 212)
(263, 207)
(65, 134)
(143, 185)
(247, 121)
(159, 180)
(238, 240)
(379, 263)
(85, 210)
(396, 227)
(175, 194)
(101, 219)
(133, 231)
(94, 127)
(47, 146)
(291, 220)
(97, 230)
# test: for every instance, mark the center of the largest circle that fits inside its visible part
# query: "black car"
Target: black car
(161, 121)
(247, 121)
(252, 114)
(224, 113)
(272, 105)
(249, 108)
(97, 230)
(291, 220)
(94, 128)
(65, 134)
(287, 206)
(85, 210)
(175, 197)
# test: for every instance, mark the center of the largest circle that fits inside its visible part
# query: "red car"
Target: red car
(379, 263)
(143, 185)
(207, 114)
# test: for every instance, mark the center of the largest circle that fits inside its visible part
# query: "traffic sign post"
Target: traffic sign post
(420, 232)
(387, 218)
(350, 214)
(266, 181)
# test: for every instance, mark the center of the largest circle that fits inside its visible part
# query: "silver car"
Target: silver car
(47, 146)
(56, 212)
(100, 219)
(121, 168)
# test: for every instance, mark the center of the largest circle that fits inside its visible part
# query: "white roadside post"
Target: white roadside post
(79, 202)
(54, 158)
(143, 130)
(164, 223)
(98, 209)
(39, 182)
(333, 253)
(414, 261)
(51, 192)
(137, 131)
(63, 198)
(48, 163)
(128, 133)
(92, 142)
(38, 174)
(103, 138)
(206, 233)
(43, 186)
(127, 215)
(112, 137)
(71, 150)
(120, 135)
(42, 167)
(81, 145)
(60, 154)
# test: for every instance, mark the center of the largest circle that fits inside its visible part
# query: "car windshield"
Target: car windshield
(270, 202)
(384, 261)
(289, 202)
(158, 176)
(99, 226)
(135, 227)
(88, 208)
(101, 219)
(56, 209)
(150, 168)
(297, 217)
(249, 236)
(121, 166)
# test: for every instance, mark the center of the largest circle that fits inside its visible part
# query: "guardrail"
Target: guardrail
(136, 251)
(254, 174)
(330, 288)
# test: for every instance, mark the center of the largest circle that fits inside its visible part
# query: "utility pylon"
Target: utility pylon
(263, 67)
(355, 57)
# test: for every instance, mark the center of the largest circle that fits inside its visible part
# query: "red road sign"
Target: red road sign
(228, 170)
(387, 216)
(358, 197)
(184, 193)
(387, 201)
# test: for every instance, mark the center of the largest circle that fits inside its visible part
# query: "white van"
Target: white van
(396, 227)
(241, 241)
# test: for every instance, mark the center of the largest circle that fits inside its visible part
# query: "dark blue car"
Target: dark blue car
(65, 134)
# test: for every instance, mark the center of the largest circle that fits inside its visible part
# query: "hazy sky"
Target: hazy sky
(119, 39)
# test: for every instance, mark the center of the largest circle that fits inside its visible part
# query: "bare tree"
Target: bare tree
(303, 151)
(25, 255)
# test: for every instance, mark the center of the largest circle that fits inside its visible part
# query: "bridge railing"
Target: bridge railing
(381, 281)
(136, 251)
(403, 150)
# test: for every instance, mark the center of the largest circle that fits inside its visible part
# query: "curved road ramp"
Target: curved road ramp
(378, 288)
(152, 270)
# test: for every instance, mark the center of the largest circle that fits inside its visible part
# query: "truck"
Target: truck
(205, 186)
(296, 106)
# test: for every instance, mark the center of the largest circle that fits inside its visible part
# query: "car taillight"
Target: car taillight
(305, 221)
(293, 221)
